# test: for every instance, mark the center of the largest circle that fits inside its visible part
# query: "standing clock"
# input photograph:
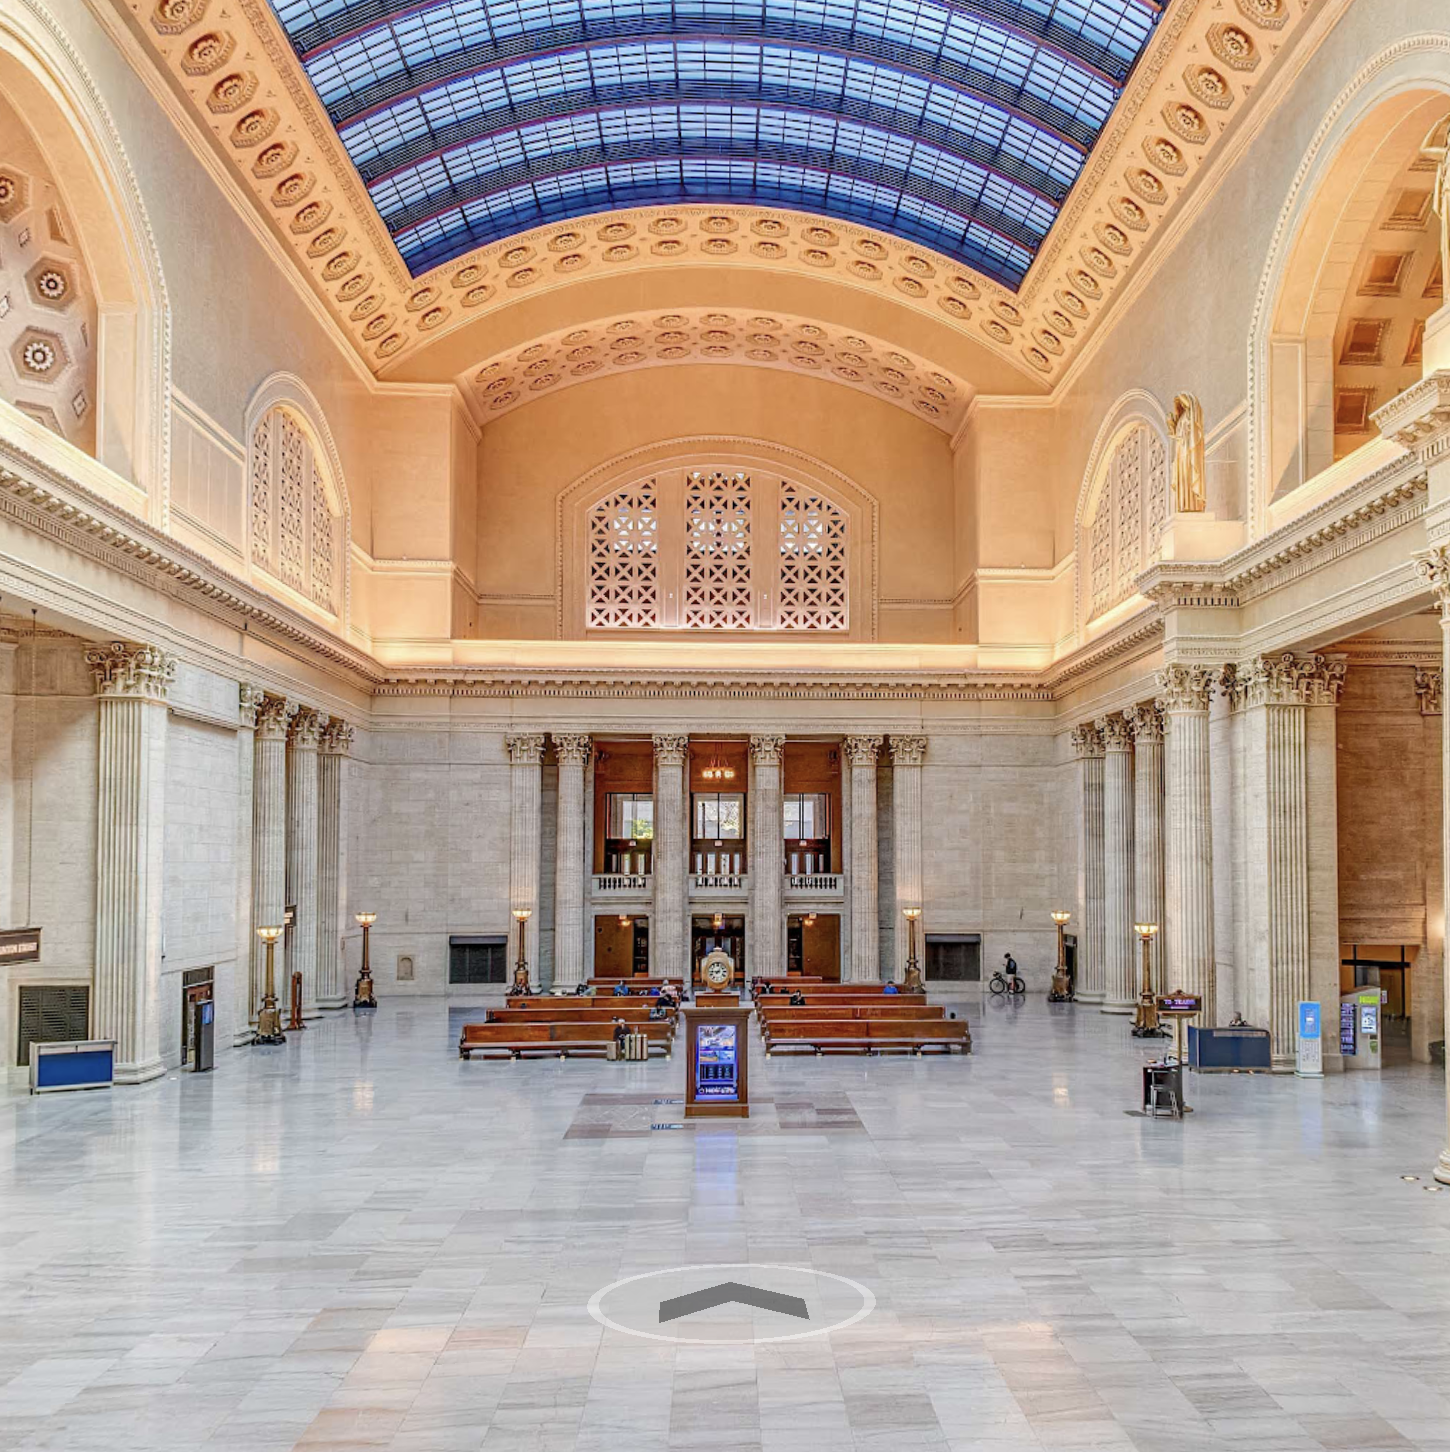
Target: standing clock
(718, 970)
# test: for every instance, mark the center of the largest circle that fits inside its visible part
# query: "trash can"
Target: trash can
(636, 1046)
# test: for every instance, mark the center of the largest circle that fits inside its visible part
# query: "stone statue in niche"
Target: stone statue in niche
(1185, 423)
(1436, 148)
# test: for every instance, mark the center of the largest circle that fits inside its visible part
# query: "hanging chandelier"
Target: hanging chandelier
(717, 769)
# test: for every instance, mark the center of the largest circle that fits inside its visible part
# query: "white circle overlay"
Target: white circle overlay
(789, 1279)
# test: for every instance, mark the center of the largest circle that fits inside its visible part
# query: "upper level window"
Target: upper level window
(719, 816)
(807, 816)
(296, 526)
(717, 550)
(631, 816)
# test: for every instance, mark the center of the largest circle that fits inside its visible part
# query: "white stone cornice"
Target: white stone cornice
(137, 672)
(1184, 688)
(525, 748)
(1419, 418)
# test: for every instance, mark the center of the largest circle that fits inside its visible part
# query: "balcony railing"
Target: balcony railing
(622, 884)
(813, 884)
(719, 884)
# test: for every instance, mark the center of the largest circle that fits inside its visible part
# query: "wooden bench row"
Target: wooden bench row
(784, 1013)
(560, 1040)
(867, 1036)
(633, 1013)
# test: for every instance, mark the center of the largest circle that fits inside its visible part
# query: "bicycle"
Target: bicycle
(1006, 983)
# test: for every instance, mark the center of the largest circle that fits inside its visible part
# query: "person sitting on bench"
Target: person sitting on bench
(797, 998)
(891, 988)
(658, 1009)
(621, 1032)
(621, 989)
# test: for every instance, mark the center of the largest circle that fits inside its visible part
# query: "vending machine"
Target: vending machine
(1359, 1028)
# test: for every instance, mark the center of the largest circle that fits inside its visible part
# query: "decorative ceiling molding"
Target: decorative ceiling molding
(248, 94)
(703, 335)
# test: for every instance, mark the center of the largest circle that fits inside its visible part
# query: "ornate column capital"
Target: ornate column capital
(134, 672)
(573, 747)
(1116, 733)
(274, 717)
(1233, 686)
(1184, 688)
(862, 750)
(1290, 680)
(1324, 682)
(249, 702)
(306, 730)
(1145, 720)
(1428, 684)
(765, 750)
(1433, 566)
(1087, 741)
(337, 737)
(670, 748)
(908, 750)
(525, 748)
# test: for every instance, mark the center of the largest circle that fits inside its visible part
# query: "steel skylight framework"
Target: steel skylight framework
(959, 125)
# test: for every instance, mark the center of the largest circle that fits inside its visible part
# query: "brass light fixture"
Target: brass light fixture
(1061, 988)
(269, 1019)
(717, 770)
(1145, 1020)
(363, 998)
(912, 982)
(521, 984)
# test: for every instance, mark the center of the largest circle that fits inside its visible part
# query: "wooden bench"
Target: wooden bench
(842, 1000)
(784, 1013)
(869, 1036)
(632, 1013)
(560, 1040)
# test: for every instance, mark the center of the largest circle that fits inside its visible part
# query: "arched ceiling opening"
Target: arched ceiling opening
(958, 126)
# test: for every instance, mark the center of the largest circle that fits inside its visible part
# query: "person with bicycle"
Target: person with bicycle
(1005, 979)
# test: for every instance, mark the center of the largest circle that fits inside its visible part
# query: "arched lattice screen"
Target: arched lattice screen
(1130, 513)
(692, 550)
(296, 529)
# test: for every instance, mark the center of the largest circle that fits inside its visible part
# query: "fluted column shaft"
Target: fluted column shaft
(244, 1007)
(1119, 937)
(669, 939)
(301, 886)
(336, 742)
(1091, 980)
(907, 755)
(573, 751)
(1148, 847)
(861, 753)
(269, 837)
(526, 754)
(132, 682)
(767, 859)
(1188, 849)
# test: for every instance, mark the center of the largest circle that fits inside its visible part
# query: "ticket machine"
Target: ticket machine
(1360, 1016)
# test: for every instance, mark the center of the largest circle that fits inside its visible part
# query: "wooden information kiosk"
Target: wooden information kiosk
(717, 1080)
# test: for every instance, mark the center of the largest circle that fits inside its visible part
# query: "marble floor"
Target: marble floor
(359, 1241)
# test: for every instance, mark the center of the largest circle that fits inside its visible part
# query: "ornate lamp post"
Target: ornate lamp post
(269, 1019)
(1145, 1020)
(521, 984)
(1061, 988)
(912, 982)
(363, 1000)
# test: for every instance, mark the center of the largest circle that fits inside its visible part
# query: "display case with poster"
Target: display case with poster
(718, 1061)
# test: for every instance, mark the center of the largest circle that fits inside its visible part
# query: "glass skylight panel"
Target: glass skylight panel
(958, 123)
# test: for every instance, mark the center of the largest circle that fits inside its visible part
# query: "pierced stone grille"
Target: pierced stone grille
(718, 593)
(1158, 487)
(1128, 506)
(322, 544)
(813, 562)
(291, 505)
(1102, 554)
(624, 547)
(261, 482)
(1129, 519)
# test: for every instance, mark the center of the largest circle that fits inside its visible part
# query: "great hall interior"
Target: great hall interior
(508, 505)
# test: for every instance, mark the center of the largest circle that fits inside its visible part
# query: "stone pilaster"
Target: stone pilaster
(861, 753)
(301, 889)
(1321, 691)
(907, 755)
(269, 836)
(1434, 566)
(1091, 982)
(1428, 985)
(1146, 724)
(244, 1006)
(1120, 940)
(526, 754)
(573, 751)
(131, 682)
(333, 749)
(669, 932)
(1184, 693)
(767, 860)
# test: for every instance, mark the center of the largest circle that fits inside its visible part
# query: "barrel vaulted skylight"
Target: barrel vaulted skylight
(959, 125)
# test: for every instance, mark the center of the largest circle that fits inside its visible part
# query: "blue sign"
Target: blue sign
(716, 1068)
(1308, 1020)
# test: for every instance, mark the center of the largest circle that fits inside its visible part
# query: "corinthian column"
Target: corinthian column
(573, 751)
(1122, 991)
(767, 860)
(1146, 723)
(302, 742)
(1435, 567)
(1188, 856)
(1092, 980)
(861, 752)
(669, 940)
(244, 1007)
(526, 754)
(907, 754)
(269, 836)
(132, 681)
(337, 738)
